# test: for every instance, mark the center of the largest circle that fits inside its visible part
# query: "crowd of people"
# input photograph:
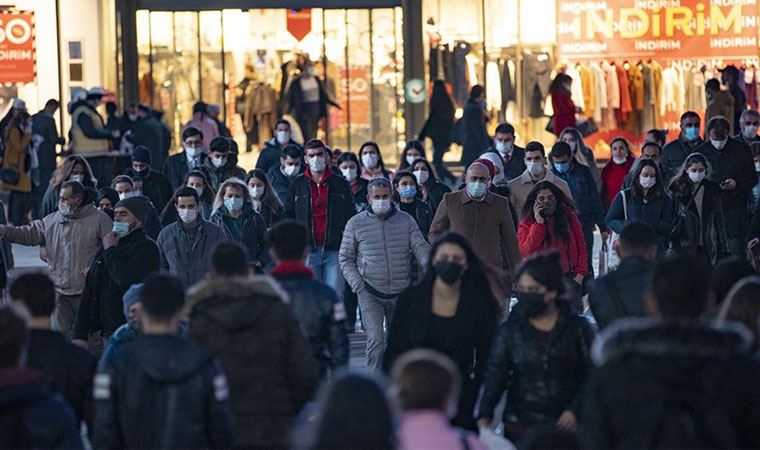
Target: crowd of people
(188, 303)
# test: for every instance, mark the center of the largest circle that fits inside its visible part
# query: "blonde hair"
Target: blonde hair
(231, 182)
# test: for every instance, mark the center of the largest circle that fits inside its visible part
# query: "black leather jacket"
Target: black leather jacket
(541, 381)
(161, 392)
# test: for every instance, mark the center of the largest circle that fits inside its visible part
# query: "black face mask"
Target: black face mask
(108, 211)
(548, 208)
(532, 302)
(449, 272)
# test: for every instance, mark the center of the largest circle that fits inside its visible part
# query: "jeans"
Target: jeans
(374, 311)
(326, 269)
(65, 313)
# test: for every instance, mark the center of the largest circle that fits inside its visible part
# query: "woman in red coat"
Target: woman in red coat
(616, 170)
(562, 104)
(549, 223)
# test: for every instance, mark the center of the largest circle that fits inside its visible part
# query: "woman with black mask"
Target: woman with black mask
(107, 200)
(540, 355)
(451, 311)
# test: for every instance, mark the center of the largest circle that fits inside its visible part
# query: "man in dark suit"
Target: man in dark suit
(620, 293)
(43, 124)
(192, 157)
(512, 155)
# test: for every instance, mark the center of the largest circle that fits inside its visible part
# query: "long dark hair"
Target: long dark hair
(270, 197)
(380, 161)
(546, 269)
(558, 83)
(397, 179)
(353, 412)
(474, 280)
(208, 194)
(416, 145)
(432, 178)
(62, 173)
(658, 190)
(440, 101)
(564, 208)
(681, 185)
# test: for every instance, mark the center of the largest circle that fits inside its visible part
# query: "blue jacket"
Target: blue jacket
(656, 212)
(585, 195)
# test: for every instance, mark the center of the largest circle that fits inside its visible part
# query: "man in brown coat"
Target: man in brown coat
(484, 219)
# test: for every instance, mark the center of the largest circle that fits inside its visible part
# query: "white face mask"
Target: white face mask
(422, 176)
(619, 159)
(283, 137)
(218, 162)
(718, 144)
(534, 167)
(64, 208)
(290, 170)
(137, 193)
(192, 151)
(124, 195)
(504, 148)
(256, 192)
(411, 159)
(696, 177)
(750, 132)
(380, 206)
(647, 182)
(369, 160)
(198, 189)
(757, 166)
(317, 164)
(79, 178)
(349, 174)
(187, 215)
(572, 145)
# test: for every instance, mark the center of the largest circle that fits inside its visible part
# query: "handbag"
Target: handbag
(550, 126)
(586, 127)
(9, 176)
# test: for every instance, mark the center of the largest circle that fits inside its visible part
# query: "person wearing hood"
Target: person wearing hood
(74, 168)
(247, 322)
(33, 416)
(204, 123)
(72, 237)
(673, 380)
(473, 131)
(732, 167)
(180, 388)
(176, 167)
(221, 165)
(273, 151)
(89, 135)
(374, 258)
(719, 103)
(183, 245)
(512, 157)
(107, 200)
(128, 257)
(155, 185)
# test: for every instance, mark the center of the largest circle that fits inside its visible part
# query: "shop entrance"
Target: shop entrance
(223, 57)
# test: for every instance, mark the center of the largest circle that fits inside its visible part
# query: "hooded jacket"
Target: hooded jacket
(249, 326)
(161, 391)
(648, 369)
(33, 417)
(71, 243)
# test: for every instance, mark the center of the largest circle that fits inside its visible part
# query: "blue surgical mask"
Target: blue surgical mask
(562, 167)
(121, 228)
(476, 189)
(233, 203)
(691, 133)
(407, 191)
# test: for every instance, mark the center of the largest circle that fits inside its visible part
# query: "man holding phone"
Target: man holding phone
(731, 166)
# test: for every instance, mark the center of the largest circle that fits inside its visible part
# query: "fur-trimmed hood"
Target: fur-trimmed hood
(235, 302)
(671, 339)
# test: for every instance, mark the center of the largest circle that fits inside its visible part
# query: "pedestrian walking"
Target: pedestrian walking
(233, 212)
(431, 189)
(438, 127)
(473, 131)
(192, 157)
(675, 152)
(274, 149)
(290, 166)
(263, 198)
(155, 185)
(371, 162)
(221, 163)
(616, 169)
(16, 170)
(535, 171)
(512, 155)
(74, 168)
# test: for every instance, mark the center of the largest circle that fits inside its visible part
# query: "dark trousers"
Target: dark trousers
(351, 303)
(440, 169)
(588, 236)
(308, 119)
(18, 207)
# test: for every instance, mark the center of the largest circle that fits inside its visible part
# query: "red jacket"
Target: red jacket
(564, 111)
(531, 236)
(612, 180)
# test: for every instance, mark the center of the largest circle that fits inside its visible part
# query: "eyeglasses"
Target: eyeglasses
(747, 124)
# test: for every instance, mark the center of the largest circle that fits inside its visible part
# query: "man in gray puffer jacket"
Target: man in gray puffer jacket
(375, 257)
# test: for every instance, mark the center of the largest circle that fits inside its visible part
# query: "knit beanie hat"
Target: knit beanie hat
(137, 206)
(132, 296)
(141, 154)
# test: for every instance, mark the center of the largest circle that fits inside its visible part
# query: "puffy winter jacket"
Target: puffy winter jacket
(247, 324)
(541, 381)
(188, 260)
(375, 251)
(71, 242)
(161, 391)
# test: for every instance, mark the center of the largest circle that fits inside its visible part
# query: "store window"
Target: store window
(245, 60)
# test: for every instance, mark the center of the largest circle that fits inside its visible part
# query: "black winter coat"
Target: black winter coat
(340, 207)
(621, 292)
(436, 191)
(321, 316)
(474, 135)
(270, 156)
(112, 272)
(733, 161)
(279, 181)
(421, 213)
(252, 235)
(541, 381)
(652, 371)
(217, 176)
(247, 324)
(438, 126)
(33, 417)
(160, 391)
(69, 368)
(150, 133)
(175, 168)
(156, 187)
(685, 234)
(674, 153)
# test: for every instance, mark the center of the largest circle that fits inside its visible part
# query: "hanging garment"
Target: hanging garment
(694, 80)
(600, 92)
(648, 111)
(508, 89)
(612, 95)
(657, 95)
(537, 71)
(625, 93)
(460, 83)
(636, 90)
(587, 84)
(260, 111)
(439, 63)
(493, 84)
(576, 89)
(750, 87)
(669, 98)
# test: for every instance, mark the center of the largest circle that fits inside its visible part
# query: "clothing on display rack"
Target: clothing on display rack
(439, 63)
(260, 112)
(461, 78)
(536, 76)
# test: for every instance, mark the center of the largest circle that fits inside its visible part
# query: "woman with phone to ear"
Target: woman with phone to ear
(549, 223)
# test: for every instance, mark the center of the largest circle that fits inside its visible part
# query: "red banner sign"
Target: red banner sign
(595, 29)
(17, 55)
(299, 23)
(354, 95)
